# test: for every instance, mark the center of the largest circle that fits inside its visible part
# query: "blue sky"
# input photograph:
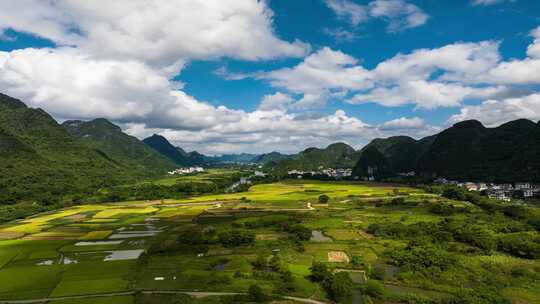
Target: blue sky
(508, 22)
(275, 75)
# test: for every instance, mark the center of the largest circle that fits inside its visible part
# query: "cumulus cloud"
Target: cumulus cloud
(143, 100)
(447, 76)
(341, 35)
(116, 60)
(160, 33)
(454, 60)
(403, 123)
(424, 94)
(495, 112)
(277, 101)
(89, 88)
(320, 75)
(428, 78)
(399, 14)
(488, 2)
(264, 131)
(348, 10)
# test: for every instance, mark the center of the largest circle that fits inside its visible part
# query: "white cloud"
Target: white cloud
(348, 10)
(341, 35)
(425, 94)
(399, 14)
(403, 123)
(264, 131)
(319, 75)
(533, 50)
(160, 33)
(428, 78)
(453, 59)
(89, 88)
(143, 100)
(488, 2)
(495, 112)
(277, 101)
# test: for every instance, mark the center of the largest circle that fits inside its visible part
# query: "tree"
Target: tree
(301, 233)
(323, 199)
(357, 260)
(373, 289)
(256, 294)
(319, 272)
(341, 287)
(260, 262)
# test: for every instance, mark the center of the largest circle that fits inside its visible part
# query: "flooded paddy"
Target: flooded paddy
(319, 237)
(119, 255)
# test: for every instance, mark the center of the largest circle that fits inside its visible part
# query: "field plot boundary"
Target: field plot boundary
(195, 294)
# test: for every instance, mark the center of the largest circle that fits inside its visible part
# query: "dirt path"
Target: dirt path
(195, 294)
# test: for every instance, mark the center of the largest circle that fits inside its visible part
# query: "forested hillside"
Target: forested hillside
(338, 155)
(40, 160)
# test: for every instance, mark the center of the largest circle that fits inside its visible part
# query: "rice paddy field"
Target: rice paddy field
(151, 251)
(209, 176)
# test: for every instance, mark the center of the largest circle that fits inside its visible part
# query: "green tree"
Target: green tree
(256, 294)
(373, 289)
(319, 272)
(323, 199)
(341, 287)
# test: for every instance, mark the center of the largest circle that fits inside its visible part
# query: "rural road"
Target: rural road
(195, 294)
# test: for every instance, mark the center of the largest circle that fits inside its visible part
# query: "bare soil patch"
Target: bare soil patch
(338, 257)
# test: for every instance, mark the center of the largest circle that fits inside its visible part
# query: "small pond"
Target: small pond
(318, 236)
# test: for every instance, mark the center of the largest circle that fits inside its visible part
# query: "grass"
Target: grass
(351, 209)
(96, 235)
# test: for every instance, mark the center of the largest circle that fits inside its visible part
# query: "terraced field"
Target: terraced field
(119, 250)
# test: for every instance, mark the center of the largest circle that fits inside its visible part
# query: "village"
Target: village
(329, 172)
(503, 192)
(188, 170)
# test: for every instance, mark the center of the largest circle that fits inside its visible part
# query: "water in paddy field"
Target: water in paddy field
(318, 236)
(96, 243)
(119, 255)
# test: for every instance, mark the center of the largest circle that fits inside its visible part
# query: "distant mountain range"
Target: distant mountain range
(338, 155)
(465, 151)
(38, 155)
(176, 154)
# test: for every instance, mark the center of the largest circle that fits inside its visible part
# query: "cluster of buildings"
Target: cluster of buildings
(190, 170)
(330, 172)
(504, 192)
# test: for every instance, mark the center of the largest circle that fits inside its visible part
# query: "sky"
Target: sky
(278, 75)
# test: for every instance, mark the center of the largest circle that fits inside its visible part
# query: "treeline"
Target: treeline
(499, 227)
(46, 197)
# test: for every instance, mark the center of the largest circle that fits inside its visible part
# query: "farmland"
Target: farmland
(157, 251)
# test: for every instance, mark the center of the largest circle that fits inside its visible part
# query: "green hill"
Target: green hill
(468, 150)
(337, 155)
(124, 150)
(270, 157)
(39, 159)
(402, 152)
(162, 146)
(242, 158)
(372, 163)
(176, 154)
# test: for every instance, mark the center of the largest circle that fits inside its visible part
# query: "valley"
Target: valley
(393, 241)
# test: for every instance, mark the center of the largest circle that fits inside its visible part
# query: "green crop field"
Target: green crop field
(124, 252)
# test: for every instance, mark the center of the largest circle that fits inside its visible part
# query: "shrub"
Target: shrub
(374, 289)
(256, 294)
(319, 272)
(323, 199)
(341, 287)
